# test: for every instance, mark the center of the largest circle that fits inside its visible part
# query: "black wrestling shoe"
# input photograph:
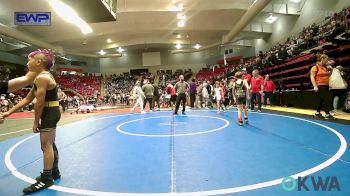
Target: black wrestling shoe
(318, 115)
(329, 117)
(55, 175)
(245, 120)
(183, 112)
(240, 123)
(46, 181)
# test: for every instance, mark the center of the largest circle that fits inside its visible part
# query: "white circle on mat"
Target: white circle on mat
(227, 123)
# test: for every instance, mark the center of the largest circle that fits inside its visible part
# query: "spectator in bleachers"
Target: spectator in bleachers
(319, 76)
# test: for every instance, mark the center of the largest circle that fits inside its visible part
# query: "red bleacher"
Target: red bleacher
(84, 85)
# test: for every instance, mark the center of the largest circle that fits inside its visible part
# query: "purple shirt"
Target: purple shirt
(192, 88)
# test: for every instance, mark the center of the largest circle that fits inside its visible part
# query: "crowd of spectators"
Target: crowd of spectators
(4, 73)
(118, 88)
(310, 37)
(86, 85)
(331, 30)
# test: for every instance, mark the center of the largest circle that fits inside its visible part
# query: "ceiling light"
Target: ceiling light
(69, 15)
(181, 16)
(178, 46)
(102, 52)
(178, 36)
(295, 1)
(109, 41)
(181, 23)
(271, 19)
(180, 6)
(197, 46)
(120, 49)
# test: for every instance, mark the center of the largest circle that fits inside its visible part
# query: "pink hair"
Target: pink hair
(47, 54)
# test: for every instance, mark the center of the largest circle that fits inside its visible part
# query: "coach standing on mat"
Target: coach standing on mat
(181, 89)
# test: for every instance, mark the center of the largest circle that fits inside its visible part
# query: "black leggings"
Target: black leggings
(324, 98)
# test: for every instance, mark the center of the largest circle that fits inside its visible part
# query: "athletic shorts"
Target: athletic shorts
(49, 118)
(241, 100)
(3, 87)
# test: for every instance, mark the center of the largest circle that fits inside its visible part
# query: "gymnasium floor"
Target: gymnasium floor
(200, 153)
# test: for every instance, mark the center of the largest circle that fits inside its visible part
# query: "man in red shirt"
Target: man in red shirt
(256, 85)
(247, 77)
(269, 89)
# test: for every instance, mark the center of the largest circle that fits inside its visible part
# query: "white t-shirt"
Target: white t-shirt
(217, 93)
(205, 93)
(138, 93)
(336, 81)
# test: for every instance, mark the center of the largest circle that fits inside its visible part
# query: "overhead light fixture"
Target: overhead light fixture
(181, 23)
(120, 50)
(109, 41)
(180, 6)
(271, 19)
(178, 36)
(178, 46)
(69, 15)
(295, 1)
(197, 46)
(181, 16)
(102, 52)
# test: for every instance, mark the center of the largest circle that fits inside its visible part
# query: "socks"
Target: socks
(47, 172)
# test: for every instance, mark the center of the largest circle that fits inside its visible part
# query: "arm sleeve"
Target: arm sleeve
(3, 87)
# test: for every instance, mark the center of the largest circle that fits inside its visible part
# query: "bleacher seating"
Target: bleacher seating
(84, 85)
